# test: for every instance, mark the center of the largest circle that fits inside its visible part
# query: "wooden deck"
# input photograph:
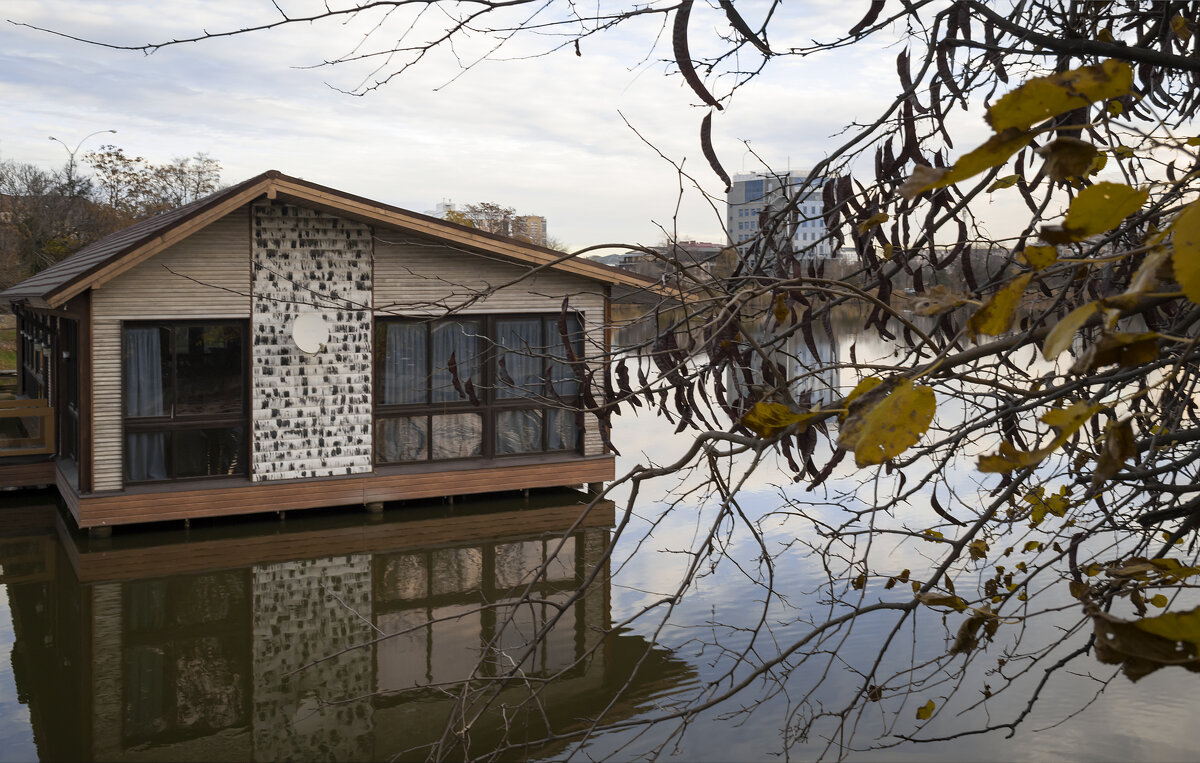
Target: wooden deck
(190, 500)
(27, 472)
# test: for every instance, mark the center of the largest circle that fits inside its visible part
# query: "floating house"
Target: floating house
(282, 345)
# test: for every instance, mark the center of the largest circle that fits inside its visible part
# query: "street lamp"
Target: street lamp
(71, 152)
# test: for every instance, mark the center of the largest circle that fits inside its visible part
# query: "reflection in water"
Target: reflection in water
(216, 644)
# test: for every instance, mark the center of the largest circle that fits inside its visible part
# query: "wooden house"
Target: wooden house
(282, 345)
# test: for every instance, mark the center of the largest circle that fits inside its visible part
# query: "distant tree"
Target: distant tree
(46, 215)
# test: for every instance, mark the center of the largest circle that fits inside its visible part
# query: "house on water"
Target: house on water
(283, 345)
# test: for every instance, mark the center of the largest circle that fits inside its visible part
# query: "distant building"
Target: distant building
(697, 258)
(531, 228)
(752, 194)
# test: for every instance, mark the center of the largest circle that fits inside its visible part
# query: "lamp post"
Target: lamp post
(71, 190)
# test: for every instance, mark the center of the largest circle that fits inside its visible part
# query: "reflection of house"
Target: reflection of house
(233, 645)
(284, 345)
(811, 373)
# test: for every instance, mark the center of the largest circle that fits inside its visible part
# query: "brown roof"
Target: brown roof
(113, 254)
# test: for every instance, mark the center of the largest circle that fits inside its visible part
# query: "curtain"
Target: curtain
(405, 372)
(144, 372)
(522, 357)
(458, 340)
(145, 456)
(562, 374)
(518, 431)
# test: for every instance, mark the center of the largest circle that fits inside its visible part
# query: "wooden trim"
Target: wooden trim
(29, 474)
(255, 547)
(157, 244)
(175, 501)
(86, 373)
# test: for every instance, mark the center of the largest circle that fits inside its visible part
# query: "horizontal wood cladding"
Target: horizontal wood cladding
(27, 475)
(119, 564)
(206, 274)
(413, 277)
(180, 502)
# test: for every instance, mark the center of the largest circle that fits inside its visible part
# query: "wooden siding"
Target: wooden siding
(179, 502)
(416, 278)
(27, 474)
(204, 276)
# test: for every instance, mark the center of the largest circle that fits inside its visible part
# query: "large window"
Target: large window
(185, 400)
(475, 387)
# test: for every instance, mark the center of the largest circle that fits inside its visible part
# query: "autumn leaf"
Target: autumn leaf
(977, 549)
(872, 221)
(1044, 97)
(860, 389)
(1063, 333)
(769, 419)
(779, 308)
(1038, 257)
(1186, 243)
(924, 712)
(1117, 448)
(1067, 158)
(1066, 420)
(939, 299)
(931, 599)
(997, 314)
(1181, 27)
(1126, 350)
(1008, 181)
(994, 152)
(1097, 209)
(878, 430)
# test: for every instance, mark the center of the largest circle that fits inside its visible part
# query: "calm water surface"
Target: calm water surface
(229, 640)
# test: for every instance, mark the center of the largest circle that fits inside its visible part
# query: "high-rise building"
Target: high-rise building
(752, 194)
(532, 228)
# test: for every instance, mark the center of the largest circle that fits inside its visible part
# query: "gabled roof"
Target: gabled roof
(114, 254)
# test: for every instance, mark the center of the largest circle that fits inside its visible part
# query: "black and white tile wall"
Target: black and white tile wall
(311, 413)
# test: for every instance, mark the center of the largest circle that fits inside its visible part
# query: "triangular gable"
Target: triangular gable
(103, 260)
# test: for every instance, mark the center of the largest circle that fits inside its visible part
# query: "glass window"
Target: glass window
(496, 386)
(185, 400)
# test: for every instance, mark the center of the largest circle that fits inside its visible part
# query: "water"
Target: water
(338, 635)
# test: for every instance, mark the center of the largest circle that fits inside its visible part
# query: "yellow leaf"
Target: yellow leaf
(1066, 420)
(924, 712)
(939, 299)
(1067, 158)
(860, 581)
(1032, 545)
(872, 221)
(1124, 152)
(931, 599)
(1176, 626)
(780, 309)
(1063, 333)
(1045, 97)
(1186, 241)
(1105, 35)
(1096, 209)
(1114, 108)
(862, 388)
(1181, 27)
(1194, 141)
(1007, 181)
(769, 419)
(1078, 590)
(994, 152)
(1126, 350)
(878, 431)
(977, 549)
(1092, 569)
(1038, 257)
(997, 314)
(1158, 600)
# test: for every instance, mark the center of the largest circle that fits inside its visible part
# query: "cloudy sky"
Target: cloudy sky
(546, 135)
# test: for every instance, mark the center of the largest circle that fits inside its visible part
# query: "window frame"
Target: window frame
(171, 424)
(487, 389)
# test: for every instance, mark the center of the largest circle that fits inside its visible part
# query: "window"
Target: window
(475, 387)
(186, 398)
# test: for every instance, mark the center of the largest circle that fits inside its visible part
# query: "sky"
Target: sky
(545, 135)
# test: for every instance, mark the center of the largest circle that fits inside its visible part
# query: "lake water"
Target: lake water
(345, 636)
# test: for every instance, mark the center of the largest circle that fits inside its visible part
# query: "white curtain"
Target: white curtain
(143, 373)
(404, 374)
(460, 339)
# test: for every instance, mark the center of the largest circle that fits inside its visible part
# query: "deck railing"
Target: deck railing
(26, 427)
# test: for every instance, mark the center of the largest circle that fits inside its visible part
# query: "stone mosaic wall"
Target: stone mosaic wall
(311, 413)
